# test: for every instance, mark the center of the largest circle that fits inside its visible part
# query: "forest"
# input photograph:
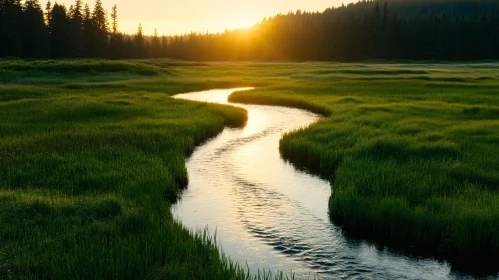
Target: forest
(452, 30)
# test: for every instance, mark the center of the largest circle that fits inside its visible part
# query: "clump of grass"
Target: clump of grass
(62, 71)
(79, 66)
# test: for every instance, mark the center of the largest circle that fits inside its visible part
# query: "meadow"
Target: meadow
(412, 151)
(92, 154)
(88, 171)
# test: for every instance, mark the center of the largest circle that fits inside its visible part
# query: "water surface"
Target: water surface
(269, 215)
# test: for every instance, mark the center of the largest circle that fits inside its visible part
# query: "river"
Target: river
(268, 215)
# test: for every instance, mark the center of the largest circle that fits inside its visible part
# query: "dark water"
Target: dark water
(271, 216)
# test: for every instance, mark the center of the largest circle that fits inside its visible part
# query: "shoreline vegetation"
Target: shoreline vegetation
(88, 171)
(412, 159)
(92, 155)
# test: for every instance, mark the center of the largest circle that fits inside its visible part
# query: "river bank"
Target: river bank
(93, 160)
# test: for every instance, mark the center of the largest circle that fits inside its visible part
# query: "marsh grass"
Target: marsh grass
(414, 162)
(89, 167)
(61, 71)
(87, 175)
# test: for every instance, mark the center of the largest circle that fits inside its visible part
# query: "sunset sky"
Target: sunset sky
(176, 17)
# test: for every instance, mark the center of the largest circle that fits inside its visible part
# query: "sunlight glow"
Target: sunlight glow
(241, 21)
(171, 18)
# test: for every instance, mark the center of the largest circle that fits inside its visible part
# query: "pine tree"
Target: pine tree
(76, 30)
(35, 42)
(10, 28)
(88, 32)
(3, 35)
(100, 30)
(128, 47)
(114, 18)
(59, 32)
(116, 42)
(48, 9)
(99, 17)
(139, 43)
(155, 45)
(164, 46)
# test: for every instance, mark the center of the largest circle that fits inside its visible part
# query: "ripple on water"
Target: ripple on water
(270, 215)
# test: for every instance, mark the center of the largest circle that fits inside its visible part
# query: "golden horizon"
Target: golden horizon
(173, 18)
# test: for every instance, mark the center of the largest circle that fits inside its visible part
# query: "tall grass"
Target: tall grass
(87, 175)
(414, 162)
(61, 71)
(89, 167)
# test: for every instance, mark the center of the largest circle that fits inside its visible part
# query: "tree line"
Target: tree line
(392, 29)
(27, 31)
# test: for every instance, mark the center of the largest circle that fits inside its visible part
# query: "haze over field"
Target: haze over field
(172, 17)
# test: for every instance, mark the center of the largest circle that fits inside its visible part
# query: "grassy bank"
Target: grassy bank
(412, 151)
(92, 155)
(88, 172)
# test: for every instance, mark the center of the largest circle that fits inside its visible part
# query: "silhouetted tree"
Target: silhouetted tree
(76, 27)
(139, 42)
(59, 32)
(114, 19)
(88, 32)
(35, 43)
(164, 46)
(116, 41)
(155, 51)
(100, 30)
(128, 47)
(10, 28)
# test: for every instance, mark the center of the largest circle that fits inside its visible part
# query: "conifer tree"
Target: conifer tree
(100, 30)
(116, 41)
(76, 30)
(59, 32)
(48, 9)
(139, 43)
(35, 42)
(88, 32)
(114, 19)
(99, 17)
(155, 45)
(164, 46)
(128, 47)
(10, 28)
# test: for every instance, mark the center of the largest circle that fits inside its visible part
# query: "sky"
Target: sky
(183, 16)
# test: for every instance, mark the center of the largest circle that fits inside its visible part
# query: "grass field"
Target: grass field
(88, 172)
(92, 154)
(412, 151)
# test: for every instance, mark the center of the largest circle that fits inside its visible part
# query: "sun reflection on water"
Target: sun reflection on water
(271, 216)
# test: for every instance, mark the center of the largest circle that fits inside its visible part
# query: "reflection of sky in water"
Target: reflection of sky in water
(271, 216)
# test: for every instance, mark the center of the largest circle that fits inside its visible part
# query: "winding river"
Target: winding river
(268, 215)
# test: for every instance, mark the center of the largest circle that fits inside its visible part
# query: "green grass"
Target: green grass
(87, 175)
(89, 167)
(62, 71)
(414, 162)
